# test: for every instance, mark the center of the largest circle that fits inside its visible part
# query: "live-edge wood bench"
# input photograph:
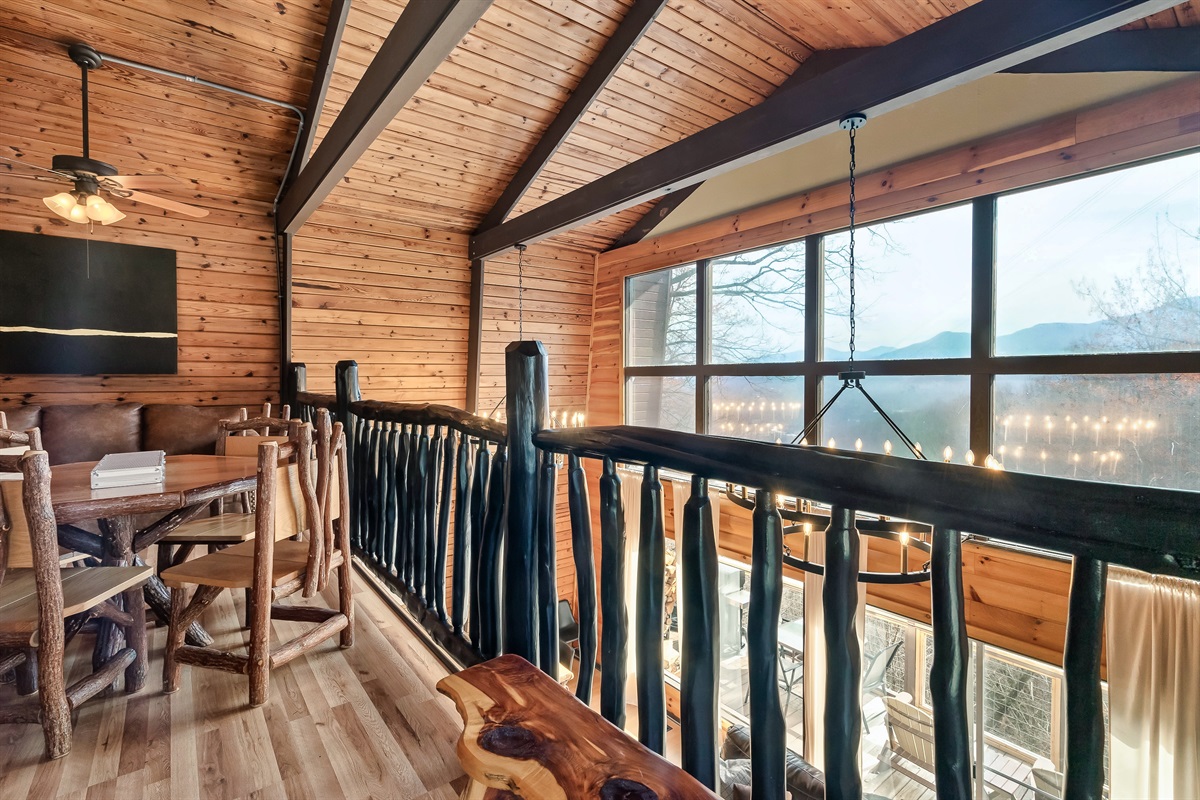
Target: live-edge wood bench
(525, 736)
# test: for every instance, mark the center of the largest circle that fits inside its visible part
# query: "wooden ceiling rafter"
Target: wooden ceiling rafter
(637, 21)
(981, 39)
(424, 35)
(335, 27)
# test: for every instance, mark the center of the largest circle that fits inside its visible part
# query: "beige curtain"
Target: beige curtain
(1153, 627)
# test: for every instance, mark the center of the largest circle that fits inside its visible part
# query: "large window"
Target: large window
(1055, 328)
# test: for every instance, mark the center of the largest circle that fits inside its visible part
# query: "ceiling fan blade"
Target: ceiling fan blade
(18, 162)
(165, 182)
(168, 205)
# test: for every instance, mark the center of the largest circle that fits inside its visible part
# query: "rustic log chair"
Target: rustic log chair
(273, 565)
(37, 598)
(235, 437)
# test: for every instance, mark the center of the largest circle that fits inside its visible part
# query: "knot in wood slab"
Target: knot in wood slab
(511, 741)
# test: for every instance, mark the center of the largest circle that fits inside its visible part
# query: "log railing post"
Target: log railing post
(297, 382)
(1081, 671)
(948, 676)
(700, 639)
(843, 659)
(346, 386)
(526, 374)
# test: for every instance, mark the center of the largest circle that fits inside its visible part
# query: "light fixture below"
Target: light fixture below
(83, 207)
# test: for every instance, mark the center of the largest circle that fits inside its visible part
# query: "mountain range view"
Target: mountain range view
(1173, 326)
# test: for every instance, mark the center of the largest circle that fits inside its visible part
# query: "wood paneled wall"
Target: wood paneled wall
(228, 152)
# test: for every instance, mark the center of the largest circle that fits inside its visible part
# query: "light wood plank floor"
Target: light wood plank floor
(359, 723)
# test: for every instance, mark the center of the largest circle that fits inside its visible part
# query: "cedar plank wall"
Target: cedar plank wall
(1014, 600)
(234, 150)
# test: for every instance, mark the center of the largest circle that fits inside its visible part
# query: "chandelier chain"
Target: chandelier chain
(853, 208)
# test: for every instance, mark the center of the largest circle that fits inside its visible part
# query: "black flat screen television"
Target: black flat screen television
(82, 307)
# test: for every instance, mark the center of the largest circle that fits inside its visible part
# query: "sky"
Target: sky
(915, 282)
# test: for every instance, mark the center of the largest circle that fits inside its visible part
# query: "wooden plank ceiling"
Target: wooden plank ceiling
(448, 155)
(229, 152)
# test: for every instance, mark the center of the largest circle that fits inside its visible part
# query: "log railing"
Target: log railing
(396, 458)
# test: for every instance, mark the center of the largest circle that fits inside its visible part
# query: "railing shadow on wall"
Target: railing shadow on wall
(416, 466)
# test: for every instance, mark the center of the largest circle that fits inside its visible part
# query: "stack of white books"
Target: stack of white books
(129, 469)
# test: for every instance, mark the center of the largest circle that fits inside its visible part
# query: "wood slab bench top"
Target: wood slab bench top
(523, 733)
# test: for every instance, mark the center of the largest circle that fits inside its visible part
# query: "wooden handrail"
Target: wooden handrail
(1142, 527)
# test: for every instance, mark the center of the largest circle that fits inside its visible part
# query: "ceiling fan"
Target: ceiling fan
(93, 178)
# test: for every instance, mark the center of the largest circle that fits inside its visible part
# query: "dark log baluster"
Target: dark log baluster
(652, 713)
(404, 478)
(585, 575)
(358, 480)
(412, 500)
(449, 458)
(479, 493)
(527, 388)
(390, 515)
(948, 675)
(843, 659)
(374, 498)
(767, 732)
(1081, 670)
(416, 496)
(403, 506)
(489, 576)
(462, 535)
(547, 572)
(700, 639)
(431, 518)
(615, 633)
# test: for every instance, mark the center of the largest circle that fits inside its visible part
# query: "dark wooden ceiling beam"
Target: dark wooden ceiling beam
(339, 12)
(1151, 50)
(982, 39)
(637, 21)
(422, 38)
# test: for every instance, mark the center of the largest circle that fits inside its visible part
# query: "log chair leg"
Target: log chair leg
(52, 697)
(260, 648)
(172, 669)
(135, 636)
(164, 557)
(27, 673)
(346, 602)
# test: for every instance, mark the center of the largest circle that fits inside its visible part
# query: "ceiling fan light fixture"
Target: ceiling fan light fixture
(61, 203)
(102, 211)
(78, 213)
(111, 215)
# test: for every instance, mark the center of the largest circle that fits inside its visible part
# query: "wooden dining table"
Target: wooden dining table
(190, 484)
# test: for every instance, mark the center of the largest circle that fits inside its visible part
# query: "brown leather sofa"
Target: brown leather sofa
(88, 432)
